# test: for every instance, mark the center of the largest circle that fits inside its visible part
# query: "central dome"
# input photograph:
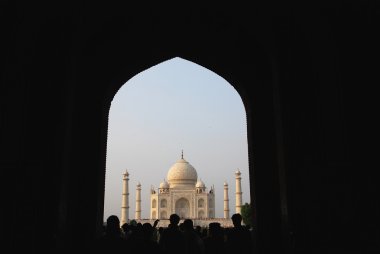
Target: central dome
(182, 174)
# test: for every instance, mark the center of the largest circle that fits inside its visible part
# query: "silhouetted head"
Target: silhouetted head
(236, 219)
(113, 225)
(147, 230)
(188, 225)
(174, 219)
(125, 227)
(214, 228)
(133, 223)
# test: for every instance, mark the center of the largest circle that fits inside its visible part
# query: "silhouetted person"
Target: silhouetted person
(148, 245)
(193, 242)
(136, 238)
(155, 234)
(181, 227)
(112, 241)
(214, 242)
(125, 230)
(239, 238)
(160, 230)
(198, 230)
(172, 239)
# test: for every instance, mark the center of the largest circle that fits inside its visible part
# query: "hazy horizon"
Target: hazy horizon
(174, 106)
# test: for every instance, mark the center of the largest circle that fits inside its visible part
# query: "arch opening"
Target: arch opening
(219, 196)
(163, 203)
(182, 208)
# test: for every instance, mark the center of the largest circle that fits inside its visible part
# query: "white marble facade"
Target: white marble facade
(182, 194)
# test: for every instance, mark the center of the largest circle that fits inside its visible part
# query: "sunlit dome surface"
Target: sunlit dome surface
(182, 173)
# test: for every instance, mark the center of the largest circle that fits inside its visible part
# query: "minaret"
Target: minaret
(125, 199)
(238, 192)
(138, 202)
(226, 205)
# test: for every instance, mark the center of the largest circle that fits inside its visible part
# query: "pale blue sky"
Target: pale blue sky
(173, 106)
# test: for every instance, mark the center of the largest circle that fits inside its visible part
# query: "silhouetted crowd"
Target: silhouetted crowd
(181, 238)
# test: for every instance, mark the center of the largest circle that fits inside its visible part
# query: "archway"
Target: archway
(164, 215)
(182, 208)
(163, 203)
(264, 151)
(204, 124)
(201, 202)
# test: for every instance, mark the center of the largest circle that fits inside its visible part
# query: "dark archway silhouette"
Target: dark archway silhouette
(302, 71)
(174, 83)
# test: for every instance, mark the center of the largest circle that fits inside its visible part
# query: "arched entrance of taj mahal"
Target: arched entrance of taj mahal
(182, 208)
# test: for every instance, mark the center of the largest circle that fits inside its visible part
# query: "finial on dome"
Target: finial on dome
(182, 154)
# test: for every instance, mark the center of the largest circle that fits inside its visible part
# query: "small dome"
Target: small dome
(225, 184)
(164, 185)
(200, 184)
(237, 172)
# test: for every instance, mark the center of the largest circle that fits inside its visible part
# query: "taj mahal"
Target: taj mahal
(182, 193)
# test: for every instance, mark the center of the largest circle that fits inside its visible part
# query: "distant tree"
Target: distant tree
(246, 213)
